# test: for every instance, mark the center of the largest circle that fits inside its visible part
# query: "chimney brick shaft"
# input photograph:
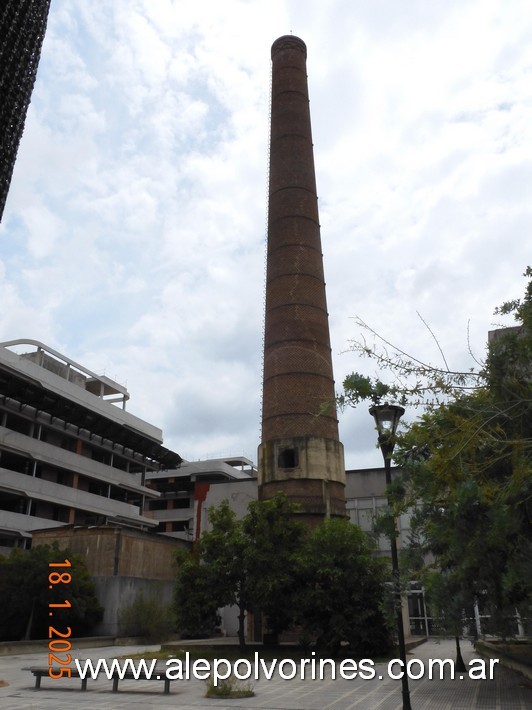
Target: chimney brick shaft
(300, 453)
(298, 376)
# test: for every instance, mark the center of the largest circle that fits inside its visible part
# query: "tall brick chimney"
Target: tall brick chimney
(300, 453)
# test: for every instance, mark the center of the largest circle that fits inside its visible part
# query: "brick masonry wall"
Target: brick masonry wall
(298, 377)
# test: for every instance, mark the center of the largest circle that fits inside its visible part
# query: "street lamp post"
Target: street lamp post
(387, 418)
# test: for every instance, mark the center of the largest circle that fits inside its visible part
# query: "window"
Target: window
(288, 458)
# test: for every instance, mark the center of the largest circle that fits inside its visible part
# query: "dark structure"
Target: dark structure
(22, 28)
(300, 453)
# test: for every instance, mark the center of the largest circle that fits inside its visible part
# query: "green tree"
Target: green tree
(274, 541)
(196, 607)
(468, 462)
(449, 599)
(343, 597)
(473, 533)
(223, 552)
(25, 593)
(251, 562)
(326, 582)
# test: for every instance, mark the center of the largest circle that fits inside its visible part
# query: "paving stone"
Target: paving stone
(508, 690)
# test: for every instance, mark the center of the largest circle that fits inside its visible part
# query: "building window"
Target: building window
(288, 458)
(180, 526)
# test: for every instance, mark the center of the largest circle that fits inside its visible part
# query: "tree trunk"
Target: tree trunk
(241, 620)
(27, 635)
(460, 665)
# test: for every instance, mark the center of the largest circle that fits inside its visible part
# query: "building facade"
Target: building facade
(187, 493)
(365, 499)
(70, 453)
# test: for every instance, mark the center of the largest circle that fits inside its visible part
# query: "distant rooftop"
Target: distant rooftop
(230, 468)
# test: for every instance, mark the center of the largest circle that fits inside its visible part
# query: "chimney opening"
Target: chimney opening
(288, 458)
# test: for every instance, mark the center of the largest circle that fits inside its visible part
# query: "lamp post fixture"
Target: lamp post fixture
(387, 418)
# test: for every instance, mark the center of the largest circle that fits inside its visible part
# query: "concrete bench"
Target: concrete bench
(159, 673)
(40, 671)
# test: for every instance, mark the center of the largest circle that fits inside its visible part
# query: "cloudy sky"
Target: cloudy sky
(133, 237)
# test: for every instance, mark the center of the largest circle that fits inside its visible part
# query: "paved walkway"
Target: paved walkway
(508, 690)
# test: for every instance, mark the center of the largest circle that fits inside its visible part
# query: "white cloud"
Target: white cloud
(133, 233)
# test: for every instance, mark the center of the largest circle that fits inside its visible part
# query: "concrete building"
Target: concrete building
(186, 496)
(365, 497)
(70, 453)
(76, 468)
(189, 491)
(300, 453)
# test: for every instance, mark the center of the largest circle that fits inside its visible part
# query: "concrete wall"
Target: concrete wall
(365, 482)
(116, 593)
(111, 552)
(122, 563)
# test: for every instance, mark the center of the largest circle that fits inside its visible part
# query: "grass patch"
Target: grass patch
(229, 688)
(517, 650)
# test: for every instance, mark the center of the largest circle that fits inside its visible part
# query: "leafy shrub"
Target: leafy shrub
(229, 688)
(148, 618)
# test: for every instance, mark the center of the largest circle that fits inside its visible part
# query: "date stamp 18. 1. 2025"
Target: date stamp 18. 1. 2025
(59, 644)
